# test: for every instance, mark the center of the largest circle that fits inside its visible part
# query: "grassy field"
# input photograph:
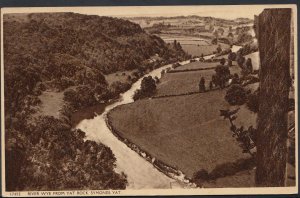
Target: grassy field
(186, 82)
(118, 76)
(181, 131)
(194, 45)
(51, 103)
(196, 50)
(197, 65)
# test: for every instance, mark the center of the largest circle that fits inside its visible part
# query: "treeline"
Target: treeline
(59, 51)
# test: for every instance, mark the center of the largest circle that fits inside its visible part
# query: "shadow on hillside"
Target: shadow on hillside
(223, 170)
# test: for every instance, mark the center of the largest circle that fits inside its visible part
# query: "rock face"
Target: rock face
(274, 36)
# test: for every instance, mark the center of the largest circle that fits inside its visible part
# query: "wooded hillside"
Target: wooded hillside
(56, 51)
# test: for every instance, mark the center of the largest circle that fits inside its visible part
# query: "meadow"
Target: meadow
(187, 82)
(181, 131)
(194, 46)
(198, 50)
(196, 65)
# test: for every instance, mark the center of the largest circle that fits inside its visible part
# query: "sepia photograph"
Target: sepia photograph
(149, 100)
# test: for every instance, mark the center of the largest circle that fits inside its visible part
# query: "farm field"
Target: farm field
(196, 50)
(196, 65)
(195, 46)
(159, 128)
(186, 82)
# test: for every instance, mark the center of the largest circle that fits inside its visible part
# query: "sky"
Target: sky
(219, 11)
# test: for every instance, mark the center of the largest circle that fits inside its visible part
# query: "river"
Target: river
(141, 174)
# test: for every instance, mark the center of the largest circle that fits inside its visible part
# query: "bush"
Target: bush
(175, 65)
(236, 95)
(232, 56)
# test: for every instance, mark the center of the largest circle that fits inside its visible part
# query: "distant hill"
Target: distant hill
(192, 19)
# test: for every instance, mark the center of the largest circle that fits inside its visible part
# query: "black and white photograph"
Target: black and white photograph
(149, 100)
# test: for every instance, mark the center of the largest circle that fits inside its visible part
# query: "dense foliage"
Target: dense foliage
(236, 95)
(248, 48)
(253, 101)
(49, 155)
(148, 88)
(222, 75)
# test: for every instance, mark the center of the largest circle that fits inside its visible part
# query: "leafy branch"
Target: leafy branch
(245, 138)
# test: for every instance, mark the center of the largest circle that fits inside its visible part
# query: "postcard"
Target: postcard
(149, 100)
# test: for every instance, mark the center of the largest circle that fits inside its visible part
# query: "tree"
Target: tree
(216, 34)
(236, 95)
(230, 35)
(148, 88)
(221, 31)
(219, 49)
(249, 65)
(222, 75)
(232, 56)
(241, 61)
(148, 85)
(202, 85)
